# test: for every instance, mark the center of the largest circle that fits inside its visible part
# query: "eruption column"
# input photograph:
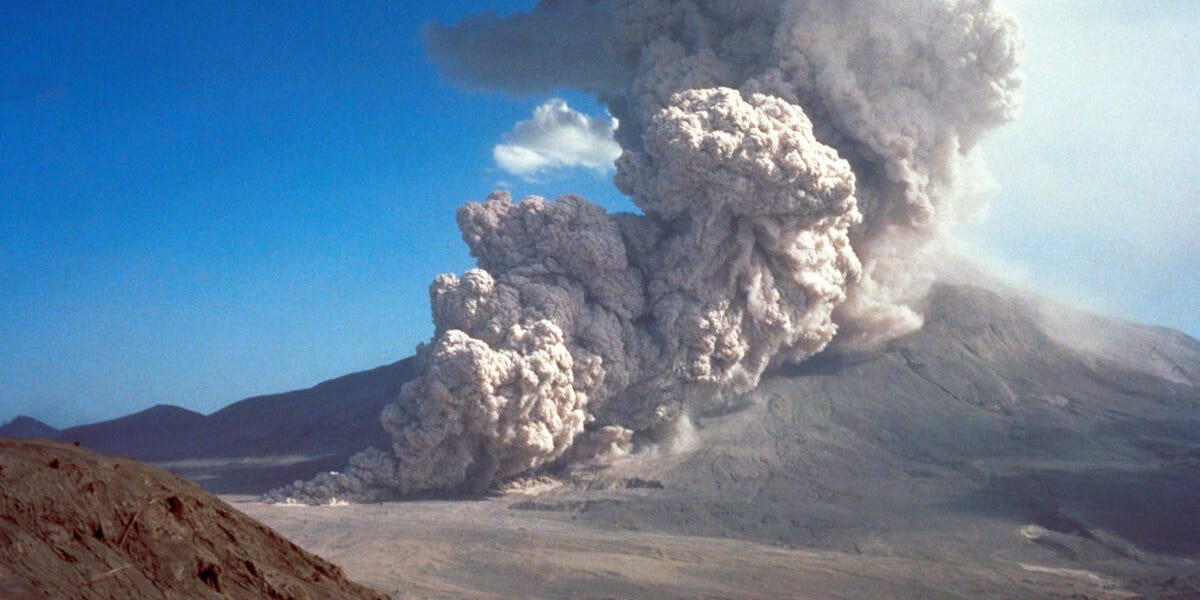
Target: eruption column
(794, 161)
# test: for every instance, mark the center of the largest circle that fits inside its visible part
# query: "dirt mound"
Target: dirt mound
(76, 524)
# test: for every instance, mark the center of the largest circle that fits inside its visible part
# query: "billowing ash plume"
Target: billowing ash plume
(795, 161)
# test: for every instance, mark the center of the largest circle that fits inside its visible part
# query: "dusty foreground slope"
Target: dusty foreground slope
(494, 549)
(75, 524)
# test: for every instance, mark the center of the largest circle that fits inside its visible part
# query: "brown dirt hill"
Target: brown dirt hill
(76, 524)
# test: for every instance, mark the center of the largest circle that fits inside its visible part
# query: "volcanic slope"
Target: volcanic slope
(1011, 448)
(1007, 428)
(76, 524)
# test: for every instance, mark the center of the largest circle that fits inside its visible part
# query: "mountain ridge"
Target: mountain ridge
(281, 437)
(26, 426)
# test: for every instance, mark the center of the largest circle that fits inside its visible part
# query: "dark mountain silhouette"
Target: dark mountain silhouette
(24, 426)
(254, 444)
(148, 434)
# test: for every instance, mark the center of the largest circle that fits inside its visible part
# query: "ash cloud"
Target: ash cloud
(797, 163)
(561, 44)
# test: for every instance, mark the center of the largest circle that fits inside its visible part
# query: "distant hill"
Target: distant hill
(149, 434)
(24, 426)
(254, 444)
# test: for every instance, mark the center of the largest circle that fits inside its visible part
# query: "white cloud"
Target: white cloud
(558, 137)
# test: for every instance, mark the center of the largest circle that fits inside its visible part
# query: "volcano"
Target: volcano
(1009, 432)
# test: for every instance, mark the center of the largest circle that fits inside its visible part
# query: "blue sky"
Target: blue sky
(201, 202)
(1099, 200)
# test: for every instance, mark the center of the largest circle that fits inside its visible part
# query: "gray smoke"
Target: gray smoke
(796, 163)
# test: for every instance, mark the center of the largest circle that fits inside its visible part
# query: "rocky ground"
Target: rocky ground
(498, 548)
(76, 524)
